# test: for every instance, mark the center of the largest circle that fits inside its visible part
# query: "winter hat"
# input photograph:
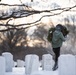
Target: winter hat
(58, 27)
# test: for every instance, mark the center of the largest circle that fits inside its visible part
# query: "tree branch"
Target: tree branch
(29, 12)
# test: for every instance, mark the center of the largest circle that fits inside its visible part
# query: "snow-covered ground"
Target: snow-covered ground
(21, 71)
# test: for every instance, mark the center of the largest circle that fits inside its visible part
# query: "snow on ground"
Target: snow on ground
(21, 71)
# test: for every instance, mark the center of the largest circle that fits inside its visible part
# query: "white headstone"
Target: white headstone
(20, 63)
(8, 61)
(2, 65)
(47, 62)
(31, 63)
(67, 65)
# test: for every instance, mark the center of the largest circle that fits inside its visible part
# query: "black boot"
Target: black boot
(55, 66)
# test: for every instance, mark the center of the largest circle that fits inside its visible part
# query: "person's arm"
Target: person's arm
(62, 37)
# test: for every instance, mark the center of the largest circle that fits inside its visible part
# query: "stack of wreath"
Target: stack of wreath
(64, 30)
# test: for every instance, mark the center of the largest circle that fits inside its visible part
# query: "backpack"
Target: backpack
(50, 34)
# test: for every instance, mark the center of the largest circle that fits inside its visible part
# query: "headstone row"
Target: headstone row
(31, 63)
(66, 63)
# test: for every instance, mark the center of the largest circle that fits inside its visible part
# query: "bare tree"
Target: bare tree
(14, 33)
(71, 42)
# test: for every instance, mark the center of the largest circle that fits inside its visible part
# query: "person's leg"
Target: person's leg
(57, 54)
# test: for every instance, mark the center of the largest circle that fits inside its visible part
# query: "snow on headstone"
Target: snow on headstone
(20, 63)
(47, 62)
(8, 61)
(2, 65)
(31, 63)
(67, 65)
